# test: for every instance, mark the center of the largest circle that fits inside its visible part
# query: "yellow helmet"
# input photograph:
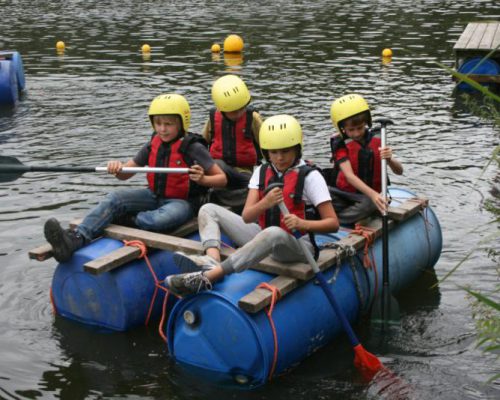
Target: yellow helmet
(280, 132)
(230, 93)
(171, 104)
(348, 106)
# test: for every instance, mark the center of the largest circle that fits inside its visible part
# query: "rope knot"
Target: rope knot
(139, 244)
(369, 235)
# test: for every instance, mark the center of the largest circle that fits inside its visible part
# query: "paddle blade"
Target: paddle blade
(367, 363)
(385, 316)
(10, 169)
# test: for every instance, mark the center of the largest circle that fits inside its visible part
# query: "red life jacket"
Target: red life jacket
(365, 162)
(234, 142)
(172, 155)
(293, 189)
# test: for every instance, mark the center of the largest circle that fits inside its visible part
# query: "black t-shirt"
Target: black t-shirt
(197, 152)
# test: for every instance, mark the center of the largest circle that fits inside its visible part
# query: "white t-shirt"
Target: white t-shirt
(315, 189)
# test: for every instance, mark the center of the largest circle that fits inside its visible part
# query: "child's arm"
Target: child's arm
(213, 177)
(393, 163)
(328, 222)
(114, 168)
(255, 207)
(353, 180)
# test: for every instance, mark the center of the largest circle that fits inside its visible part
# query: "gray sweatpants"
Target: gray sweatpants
(254, 243)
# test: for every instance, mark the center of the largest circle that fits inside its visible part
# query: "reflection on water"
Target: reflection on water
(89, 105)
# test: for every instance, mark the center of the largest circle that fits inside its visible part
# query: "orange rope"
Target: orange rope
(275, 296)
(369, 235)
(51, 295)
(142, 247)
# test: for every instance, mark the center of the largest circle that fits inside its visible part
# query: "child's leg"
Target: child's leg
(272, 241)
(172, 214)
(359, 210)
(114, 205)
(212, 219)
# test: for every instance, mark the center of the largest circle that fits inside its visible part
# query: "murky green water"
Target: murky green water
(89, 105)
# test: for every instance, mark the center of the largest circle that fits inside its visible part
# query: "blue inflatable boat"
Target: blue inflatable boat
(210, 333)
(12, 81)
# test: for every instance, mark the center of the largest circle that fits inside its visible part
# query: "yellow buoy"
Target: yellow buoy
(146, 48)
(233, 44)
(60, 46)
(215, 48)
(387, 53)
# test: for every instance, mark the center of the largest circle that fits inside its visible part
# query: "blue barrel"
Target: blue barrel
(117, 300)
(9, 93)
(210, 335)
(478, 66)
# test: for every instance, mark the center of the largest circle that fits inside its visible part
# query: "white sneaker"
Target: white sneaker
(193, 262)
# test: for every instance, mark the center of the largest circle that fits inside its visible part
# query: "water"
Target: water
(90, 105)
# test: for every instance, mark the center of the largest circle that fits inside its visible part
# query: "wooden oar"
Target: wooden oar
(389, 308)
(366, 363)
(11, 169)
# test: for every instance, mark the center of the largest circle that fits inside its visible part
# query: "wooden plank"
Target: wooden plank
(256, 300)
(487, 41)
(112, 260)
(407, 209)
(465, 37)
(477, 36)
(44, 252)
(41, 253)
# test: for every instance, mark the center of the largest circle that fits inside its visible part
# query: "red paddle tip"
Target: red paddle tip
(367, 363)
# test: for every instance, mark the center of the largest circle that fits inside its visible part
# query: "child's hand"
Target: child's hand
(196, 173)
(385, 153)
(293, 222)
(114, 167)
(273, 197)
(378, 200)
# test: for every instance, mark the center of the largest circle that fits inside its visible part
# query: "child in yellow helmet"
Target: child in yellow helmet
(168, 202)
(355, 183)
(261, 230)
(232, 131)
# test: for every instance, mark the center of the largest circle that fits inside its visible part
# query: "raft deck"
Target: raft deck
(290, 275)
(478, 40)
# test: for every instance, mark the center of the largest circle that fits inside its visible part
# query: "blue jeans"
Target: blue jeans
(153, 213)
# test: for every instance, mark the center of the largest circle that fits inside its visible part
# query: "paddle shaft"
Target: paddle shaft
(21, 168)
(385, 303)
(324, 285)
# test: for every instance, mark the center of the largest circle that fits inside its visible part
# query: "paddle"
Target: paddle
(366, 363)
(389, 309)
(11, 169)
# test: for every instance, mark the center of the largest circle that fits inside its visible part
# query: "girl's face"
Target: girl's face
(235, 115)
(283, 159)
(167, 126)
(354, 131)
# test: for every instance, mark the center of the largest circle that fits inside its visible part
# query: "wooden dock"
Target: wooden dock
(478, 40)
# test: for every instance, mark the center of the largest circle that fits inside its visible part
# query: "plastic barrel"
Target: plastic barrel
(9, 93)
(210, 335)
(475, 66)
(117, 300)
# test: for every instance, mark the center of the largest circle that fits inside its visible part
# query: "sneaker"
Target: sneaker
(64, 242)
(184, 284)
(194, 263)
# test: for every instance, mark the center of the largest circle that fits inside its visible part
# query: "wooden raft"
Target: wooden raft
(477, 40)
(290, 275)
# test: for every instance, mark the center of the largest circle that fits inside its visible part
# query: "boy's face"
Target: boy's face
(167, 126)
(354, 131)
(235, 115)
(283, 159)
